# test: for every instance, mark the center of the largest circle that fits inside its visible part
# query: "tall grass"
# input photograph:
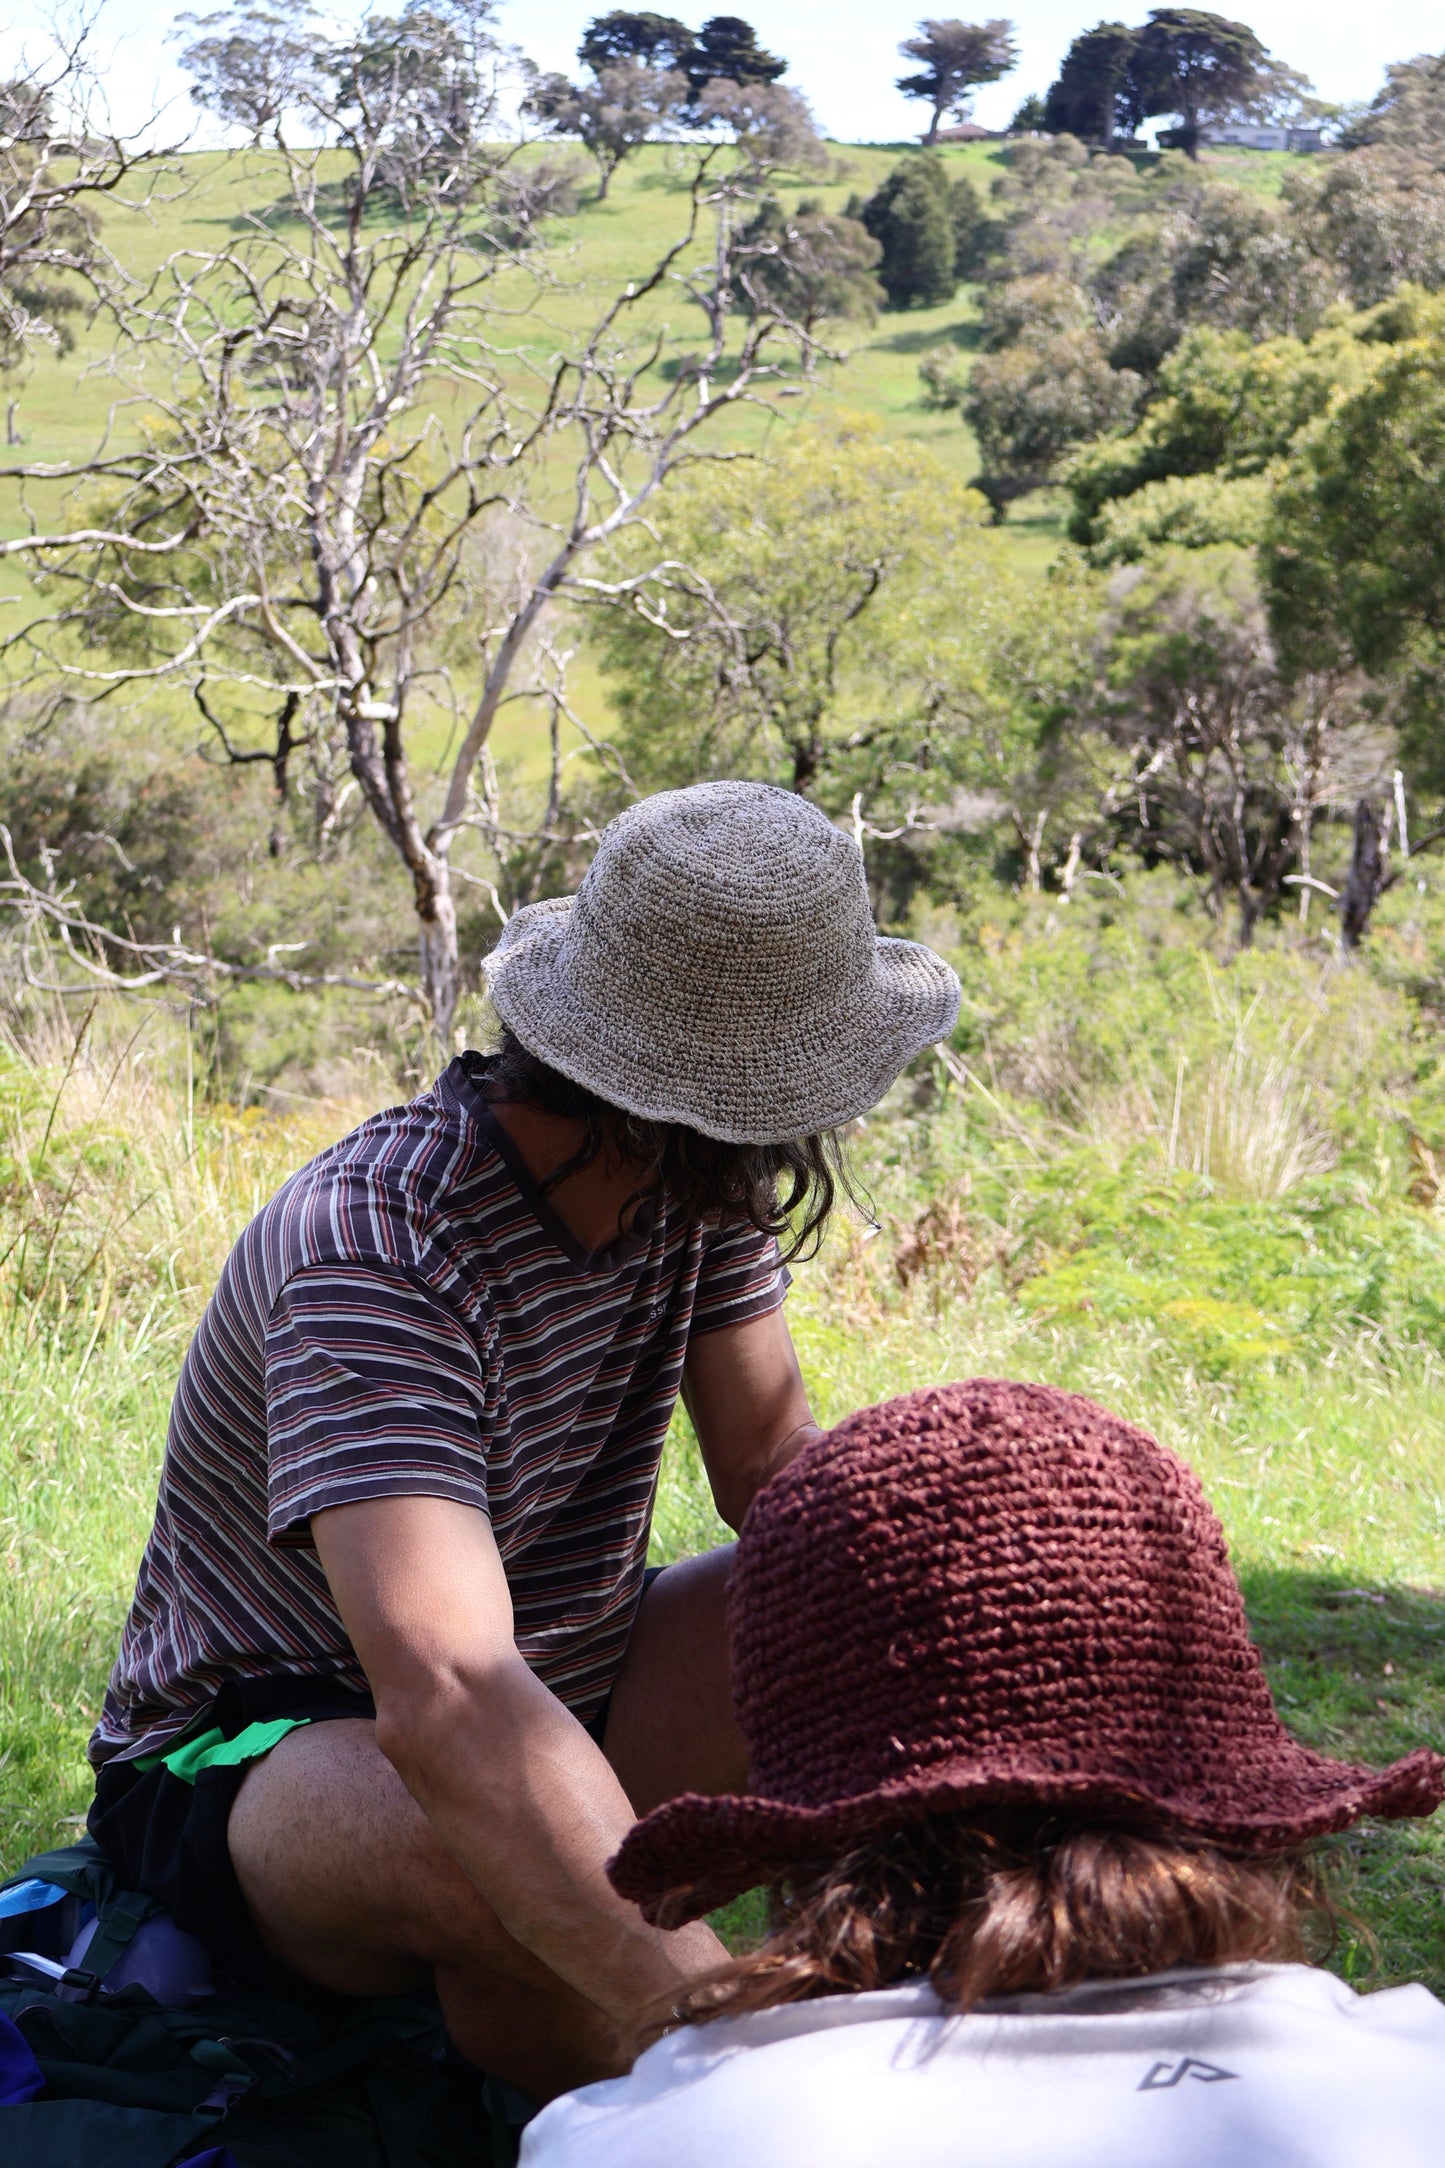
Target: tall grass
(1184, 1191)
(122, 1188)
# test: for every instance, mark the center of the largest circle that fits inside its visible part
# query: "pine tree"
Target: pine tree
(727, 49)
(911, 217)
(1093, 97)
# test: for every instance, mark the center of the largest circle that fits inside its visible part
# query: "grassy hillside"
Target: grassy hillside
(201, 202)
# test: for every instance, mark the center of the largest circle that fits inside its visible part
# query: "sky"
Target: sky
(842, 53)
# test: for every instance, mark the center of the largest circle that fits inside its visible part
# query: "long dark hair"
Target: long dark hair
(1011, 1904)
(788, 1190)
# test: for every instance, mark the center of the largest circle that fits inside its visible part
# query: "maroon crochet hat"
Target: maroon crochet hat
(981, 1595)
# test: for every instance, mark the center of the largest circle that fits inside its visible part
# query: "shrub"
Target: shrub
(918, 221)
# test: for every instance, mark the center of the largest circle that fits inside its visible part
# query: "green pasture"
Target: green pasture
(203, 202)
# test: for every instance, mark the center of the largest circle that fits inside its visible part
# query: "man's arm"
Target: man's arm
(744, 1391)
(516, 1790)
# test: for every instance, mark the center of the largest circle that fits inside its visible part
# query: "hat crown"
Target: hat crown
(726, 899)
(989, 1571)
(991, 1595)
(719, 967)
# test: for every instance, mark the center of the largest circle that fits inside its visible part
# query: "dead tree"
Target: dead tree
(370, 462)
(60, 162)
(1230, 762)
(1371, 876)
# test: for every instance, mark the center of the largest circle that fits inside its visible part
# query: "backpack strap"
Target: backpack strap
(84, 1872)
(115, 1924)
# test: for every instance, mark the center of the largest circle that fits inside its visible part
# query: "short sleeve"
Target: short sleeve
(374, 1389)
(742, 1275)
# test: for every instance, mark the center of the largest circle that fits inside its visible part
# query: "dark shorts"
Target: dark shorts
(169, 1837)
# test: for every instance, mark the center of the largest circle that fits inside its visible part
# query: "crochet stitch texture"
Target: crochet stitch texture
(982, 1594)
(719, 966)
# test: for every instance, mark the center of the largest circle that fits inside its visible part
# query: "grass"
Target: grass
(66, 402)
(1269, 1310)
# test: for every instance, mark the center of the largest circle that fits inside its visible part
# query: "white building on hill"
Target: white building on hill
(1258, 136)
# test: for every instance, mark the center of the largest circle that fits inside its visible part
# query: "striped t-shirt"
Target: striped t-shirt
(408, 1316)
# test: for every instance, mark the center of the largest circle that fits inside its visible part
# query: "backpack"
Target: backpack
(118, 2050)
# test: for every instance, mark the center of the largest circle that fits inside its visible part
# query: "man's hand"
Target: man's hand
(516, 1791)
(745, 1394)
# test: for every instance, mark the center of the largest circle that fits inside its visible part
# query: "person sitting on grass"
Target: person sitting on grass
(1036, 1843)
(396, 1678)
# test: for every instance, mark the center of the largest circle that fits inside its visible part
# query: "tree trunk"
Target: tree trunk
(932, 136)
(807, 755)
(1365, 881)
(1032, 840)
(440, 956)
(604, 180)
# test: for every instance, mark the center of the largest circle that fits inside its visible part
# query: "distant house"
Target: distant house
(1258, 136)
(968, 131)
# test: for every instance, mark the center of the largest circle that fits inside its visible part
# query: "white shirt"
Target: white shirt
(1254, 2066)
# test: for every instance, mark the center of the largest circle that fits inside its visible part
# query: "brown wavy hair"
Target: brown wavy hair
(1013, 1905)
(788, 1190)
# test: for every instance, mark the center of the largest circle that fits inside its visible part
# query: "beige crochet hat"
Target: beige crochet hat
(719, 966)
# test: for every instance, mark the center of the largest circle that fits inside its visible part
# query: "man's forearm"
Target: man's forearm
(735, 1486)
(531, 1811)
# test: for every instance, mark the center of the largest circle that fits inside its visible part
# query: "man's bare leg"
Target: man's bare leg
(671, 1726)
(349, 1885)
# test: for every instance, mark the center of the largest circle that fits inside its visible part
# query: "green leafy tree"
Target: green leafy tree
(778, 656)
(1094, 97)
(954, 59)
(1354, 567)
(1224, 407)
(1238, 261)
(247, 63)
(1376, 217)
(1014, 310)
(1407, 113)
(813, 266)
(973, 230)
(926, 228)
(1052, 202)
(1031, 403)
(1201, 66)
(943, 373)
(1355, 559)
(624, 105)
(1186, 512)
(658, 41)
(771, 127)
(1029, 117)
(727, 48)
(1232, 758)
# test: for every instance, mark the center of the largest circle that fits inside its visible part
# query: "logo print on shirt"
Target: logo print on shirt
(1162, 2076)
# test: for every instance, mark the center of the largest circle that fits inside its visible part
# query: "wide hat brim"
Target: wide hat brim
(784, 1089)
(696, 1853)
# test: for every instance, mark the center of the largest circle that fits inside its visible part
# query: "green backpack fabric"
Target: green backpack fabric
(227, 2079)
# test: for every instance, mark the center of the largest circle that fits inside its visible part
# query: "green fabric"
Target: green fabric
(212, 1750)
